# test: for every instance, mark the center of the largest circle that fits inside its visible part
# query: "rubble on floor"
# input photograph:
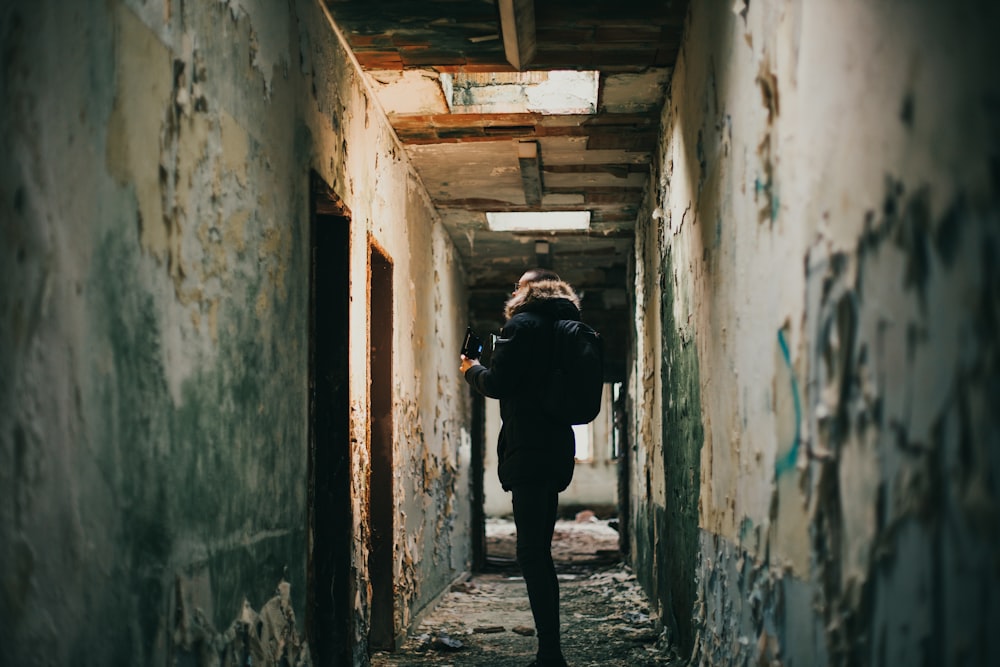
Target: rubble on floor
(486, 621)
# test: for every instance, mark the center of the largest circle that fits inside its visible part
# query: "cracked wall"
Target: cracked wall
(435, 448)
(154, 331)
(818, 267)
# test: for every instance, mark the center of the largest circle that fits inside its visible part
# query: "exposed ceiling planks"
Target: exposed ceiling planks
(470, 162)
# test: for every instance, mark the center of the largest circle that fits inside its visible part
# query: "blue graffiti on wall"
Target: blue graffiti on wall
(787, 462)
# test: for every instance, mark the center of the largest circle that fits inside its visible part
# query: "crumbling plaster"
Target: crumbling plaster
(824, 231)
(155, 331)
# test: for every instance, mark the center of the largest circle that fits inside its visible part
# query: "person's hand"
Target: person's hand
(468, 363)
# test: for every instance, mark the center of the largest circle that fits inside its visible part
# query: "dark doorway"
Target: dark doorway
(621, 451)
(382, 634)
(477, 470)
(330, 515)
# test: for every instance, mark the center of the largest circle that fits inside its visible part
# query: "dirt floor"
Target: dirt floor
(486, 621)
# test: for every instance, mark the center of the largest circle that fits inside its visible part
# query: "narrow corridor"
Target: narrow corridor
(485, 621)
(241, 242)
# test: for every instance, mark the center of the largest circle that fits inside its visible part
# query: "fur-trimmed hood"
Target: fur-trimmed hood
(551, 297)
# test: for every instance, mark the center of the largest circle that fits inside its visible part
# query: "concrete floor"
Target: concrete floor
(486, 621)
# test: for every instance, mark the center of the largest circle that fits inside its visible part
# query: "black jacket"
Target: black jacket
(532, 449)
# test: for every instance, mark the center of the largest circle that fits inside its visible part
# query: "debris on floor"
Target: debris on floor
(606, 620)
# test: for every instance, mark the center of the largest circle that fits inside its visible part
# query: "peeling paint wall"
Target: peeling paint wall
(357, 153)
(154, 331)
(434, 444)
(818, 268)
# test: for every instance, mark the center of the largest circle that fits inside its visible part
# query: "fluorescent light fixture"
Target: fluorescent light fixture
(532, 221)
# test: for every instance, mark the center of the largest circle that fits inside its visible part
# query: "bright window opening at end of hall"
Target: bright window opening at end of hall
(538, 221)
(584, 448)
(552, 92)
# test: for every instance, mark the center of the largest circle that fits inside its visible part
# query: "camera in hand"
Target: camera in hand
(472, 346)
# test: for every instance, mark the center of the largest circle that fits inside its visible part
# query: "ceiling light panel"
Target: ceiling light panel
(538, 221)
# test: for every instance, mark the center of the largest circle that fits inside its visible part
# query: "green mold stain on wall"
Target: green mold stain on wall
(213, 488)
(683, 436)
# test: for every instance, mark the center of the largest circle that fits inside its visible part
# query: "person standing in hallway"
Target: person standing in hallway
(535, 453)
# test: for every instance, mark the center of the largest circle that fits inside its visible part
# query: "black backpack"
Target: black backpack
(573, 390)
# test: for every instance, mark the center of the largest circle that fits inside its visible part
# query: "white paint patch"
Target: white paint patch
(410, 92)
(555, 92)
(464, 447)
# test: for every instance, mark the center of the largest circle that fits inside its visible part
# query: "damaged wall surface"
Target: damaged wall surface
(154, 333)
(818, 299)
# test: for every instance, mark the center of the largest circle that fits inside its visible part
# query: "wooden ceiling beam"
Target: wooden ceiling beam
(531, 172)
(517, 25)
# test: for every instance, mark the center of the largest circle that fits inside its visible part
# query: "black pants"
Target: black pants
(535, 518)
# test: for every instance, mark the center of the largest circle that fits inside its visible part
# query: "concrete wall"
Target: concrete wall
(154, 331)
(817, 295)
